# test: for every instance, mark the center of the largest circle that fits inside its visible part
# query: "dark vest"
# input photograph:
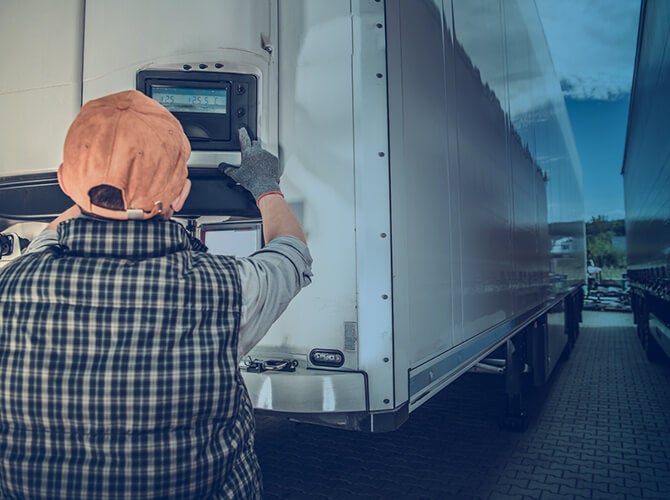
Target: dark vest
(118, 368)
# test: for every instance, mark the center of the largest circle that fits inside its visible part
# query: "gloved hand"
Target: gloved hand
(259, 171)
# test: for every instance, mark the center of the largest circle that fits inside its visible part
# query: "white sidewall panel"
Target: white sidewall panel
(40, 82)
(316, 137)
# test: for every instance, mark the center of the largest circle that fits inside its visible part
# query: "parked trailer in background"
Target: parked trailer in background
(426, 149)
(646, 173)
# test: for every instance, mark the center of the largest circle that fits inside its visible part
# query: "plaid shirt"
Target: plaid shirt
(118, 369)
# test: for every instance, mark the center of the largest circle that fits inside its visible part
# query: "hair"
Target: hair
(108, 197)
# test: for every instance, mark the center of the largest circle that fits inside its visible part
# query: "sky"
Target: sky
(593, 43)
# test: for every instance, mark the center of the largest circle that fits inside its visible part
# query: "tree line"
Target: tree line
(599, 233)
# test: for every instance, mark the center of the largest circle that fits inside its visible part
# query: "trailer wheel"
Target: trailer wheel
(642, 322)
(653, 351)
(515, 417)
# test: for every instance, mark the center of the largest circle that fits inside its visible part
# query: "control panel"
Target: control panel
(211, 104)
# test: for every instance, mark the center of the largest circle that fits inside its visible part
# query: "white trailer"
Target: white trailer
(646, 176)
(426, 149)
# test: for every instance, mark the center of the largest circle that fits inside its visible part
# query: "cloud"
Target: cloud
(593, 45)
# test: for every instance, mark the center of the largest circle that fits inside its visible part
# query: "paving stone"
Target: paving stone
(635, 492)
(647, 493)
(575, 492)
(543, 485)
(504, 496)
(548, 471)
(626, 476)
(567, 468)
(511, 481)
(558, 496)
(562, 481)
(525, 492)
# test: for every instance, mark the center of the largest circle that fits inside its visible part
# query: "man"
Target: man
(120, 338)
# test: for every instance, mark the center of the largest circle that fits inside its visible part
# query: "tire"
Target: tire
(653, 351)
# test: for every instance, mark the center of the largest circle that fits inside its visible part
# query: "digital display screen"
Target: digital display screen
(191, 100)
(238, 241)
(210, 105)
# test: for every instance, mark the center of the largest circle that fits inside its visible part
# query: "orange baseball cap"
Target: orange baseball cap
(130, 142)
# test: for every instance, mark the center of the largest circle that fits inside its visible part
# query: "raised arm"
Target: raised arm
(278, 218)
(259, 173)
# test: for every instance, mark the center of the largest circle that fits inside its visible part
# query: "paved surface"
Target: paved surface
(600, 429)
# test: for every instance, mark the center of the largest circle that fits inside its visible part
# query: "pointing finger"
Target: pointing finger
(245, 142)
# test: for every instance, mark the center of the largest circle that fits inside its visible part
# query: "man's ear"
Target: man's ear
(60, 179)
(178, 202)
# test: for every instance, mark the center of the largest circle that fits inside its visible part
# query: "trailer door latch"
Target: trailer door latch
(276, 365)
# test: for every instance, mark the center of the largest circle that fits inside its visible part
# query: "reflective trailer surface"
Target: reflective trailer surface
(646, 169)
(485, 143)
(507, 46)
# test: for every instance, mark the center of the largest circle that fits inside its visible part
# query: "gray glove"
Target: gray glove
(259, 170)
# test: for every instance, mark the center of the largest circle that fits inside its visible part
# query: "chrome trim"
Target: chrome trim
(371, 171)
(452, 363)
(307, 391)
